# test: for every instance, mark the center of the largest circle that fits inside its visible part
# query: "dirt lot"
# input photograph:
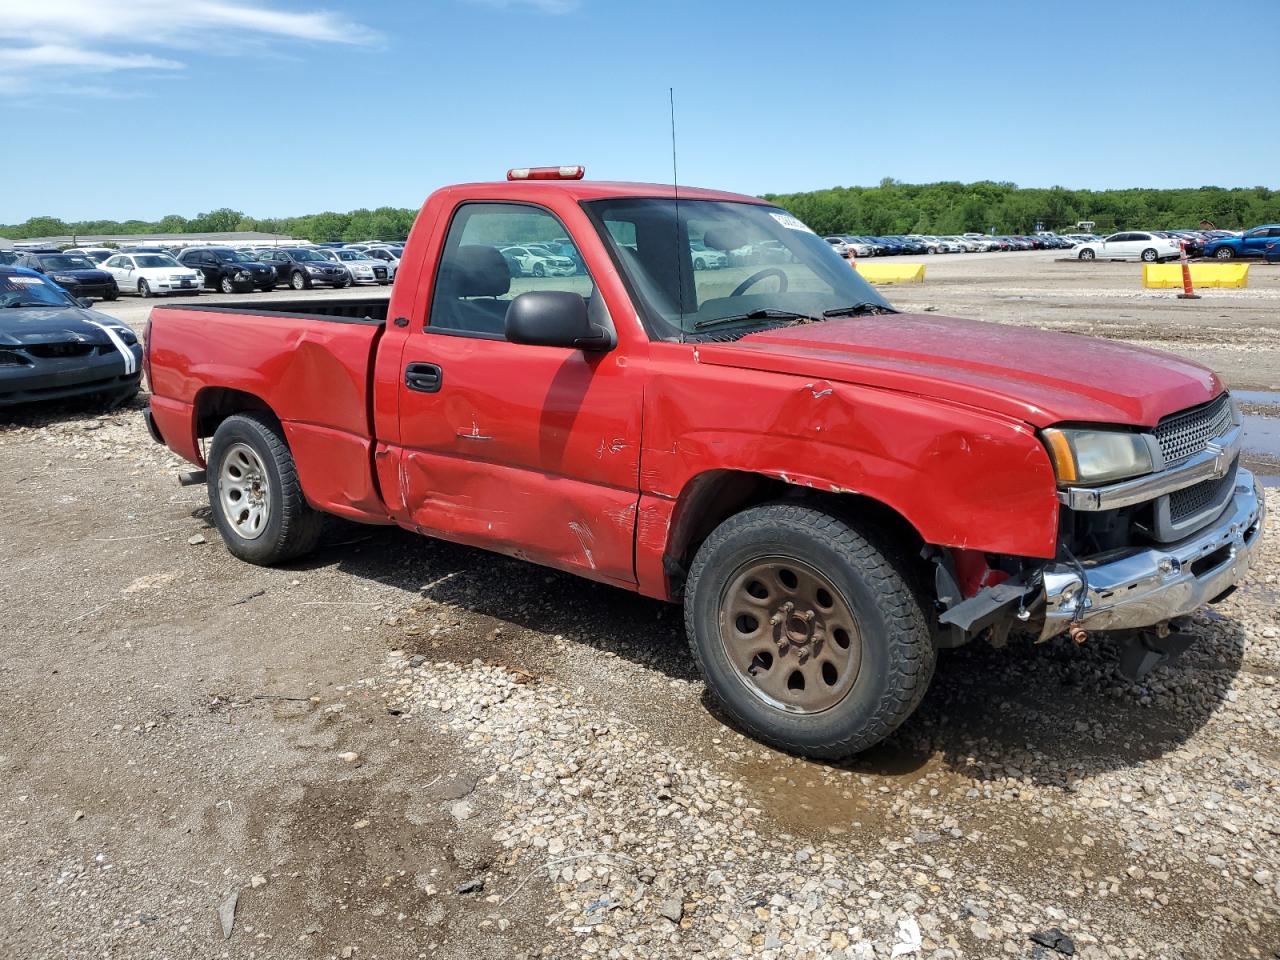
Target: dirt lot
(405, 748)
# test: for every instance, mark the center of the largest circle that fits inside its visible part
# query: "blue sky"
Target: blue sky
(120, 108)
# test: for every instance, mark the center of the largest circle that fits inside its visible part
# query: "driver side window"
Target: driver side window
(493, 253)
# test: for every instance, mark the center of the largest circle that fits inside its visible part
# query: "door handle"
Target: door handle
(423, 377)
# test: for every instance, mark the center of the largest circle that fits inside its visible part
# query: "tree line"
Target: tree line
(1005, 208)
(889, 208)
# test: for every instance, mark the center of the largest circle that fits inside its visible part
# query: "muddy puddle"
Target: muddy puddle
(1261, 410)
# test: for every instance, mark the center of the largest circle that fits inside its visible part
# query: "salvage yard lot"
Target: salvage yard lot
(404, 748)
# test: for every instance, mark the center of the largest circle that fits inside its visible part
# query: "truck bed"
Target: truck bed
(309, 362)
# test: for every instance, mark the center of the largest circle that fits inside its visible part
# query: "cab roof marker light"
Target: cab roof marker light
(576, 172)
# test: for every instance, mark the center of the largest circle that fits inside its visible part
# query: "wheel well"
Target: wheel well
(215, 404)
(711, 498)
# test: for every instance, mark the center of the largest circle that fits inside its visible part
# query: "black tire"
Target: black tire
(1087, 255)
(1223, 253)
(699, 264)
(298, 280)
(539, 270)
(112, 294)
(227, 285)
(293, 527)
(144, 288)
(1149, 255)
(897, 655)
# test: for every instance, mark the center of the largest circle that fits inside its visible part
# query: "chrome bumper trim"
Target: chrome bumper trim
(1211, 464)
(1150, 585)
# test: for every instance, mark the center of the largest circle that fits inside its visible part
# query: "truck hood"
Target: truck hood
(1039, 377)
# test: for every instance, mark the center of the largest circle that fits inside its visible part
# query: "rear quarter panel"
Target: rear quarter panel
(313, 374)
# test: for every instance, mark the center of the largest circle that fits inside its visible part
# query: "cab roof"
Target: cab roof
(603, 189)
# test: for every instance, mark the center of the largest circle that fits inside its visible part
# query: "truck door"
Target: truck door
(529, 450)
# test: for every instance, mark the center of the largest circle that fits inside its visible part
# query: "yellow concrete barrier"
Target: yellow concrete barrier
(1164, 275)
(877, 272)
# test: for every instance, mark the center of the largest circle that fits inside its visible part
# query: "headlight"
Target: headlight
(58, 279)
(311, 269)
(243, 275)
(1097, 456)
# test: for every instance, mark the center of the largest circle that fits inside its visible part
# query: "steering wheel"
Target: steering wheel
(759, 275)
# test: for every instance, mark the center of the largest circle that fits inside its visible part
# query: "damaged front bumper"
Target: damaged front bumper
(1147, 586)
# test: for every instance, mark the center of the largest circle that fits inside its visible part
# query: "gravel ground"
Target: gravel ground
(405, 748)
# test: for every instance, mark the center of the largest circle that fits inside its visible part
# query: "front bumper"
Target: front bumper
(1146, 586)
(72, 377)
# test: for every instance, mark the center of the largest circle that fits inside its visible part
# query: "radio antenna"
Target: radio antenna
(675, 191)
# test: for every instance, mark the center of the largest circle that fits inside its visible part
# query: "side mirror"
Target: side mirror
(84, 302)
(554, 318)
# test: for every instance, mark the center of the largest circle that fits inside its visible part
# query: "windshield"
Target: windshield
(20, 290)
(231, 256)
(155, 260)
(305, 255)
(65, 262)
(773, 269)
(351, 255)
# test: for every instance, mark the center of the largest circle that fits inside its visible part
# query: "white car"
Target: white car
(152, 274)
(840, 246)
(1130, 245)
(390, 256)
(362, 267)
(704, 258)
(532, 263)
(964, 243)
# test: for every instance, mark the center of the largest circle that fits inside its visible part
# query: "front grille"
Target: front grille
(1190, 502)
(53, 351)
(1185, 434)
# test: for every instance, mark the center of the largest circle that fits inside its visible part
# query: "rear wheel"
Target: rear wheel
(1087, 254)
(1224, 253)
(144, 289)
(807, 634)
(258, 505)
(1149, 255)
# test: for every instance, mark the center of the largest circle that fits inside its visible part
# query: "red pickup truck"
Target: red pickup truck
(832, 488)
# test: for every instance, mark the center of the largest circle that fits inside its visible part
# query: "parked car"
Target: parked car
(227, 270)
(1130, 245)
(841, 246)
(52, 346)
(526, 262)
(362, 267)
(78, 275)
(148, 274)
(832, 488)
(1251, 243)
(302, 268)
(704, 258)
(388, 255)
(96, 254)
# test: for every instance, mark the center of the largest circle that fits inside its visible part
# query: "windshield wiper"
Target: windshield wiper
(767, 313)
(858, 309)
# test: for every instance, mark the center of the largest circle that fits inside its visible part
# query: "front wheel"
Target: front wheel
(227, 285)
(111, 294)
(258, 505)
(699, 264)
(1150, 256)
(144, 289)
(1224, 253)
(539, 270)
(807, 634)
(298, 281)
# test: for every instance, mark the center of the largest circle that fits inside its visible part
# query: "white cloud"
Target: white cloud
(53, 39)
(543, 6)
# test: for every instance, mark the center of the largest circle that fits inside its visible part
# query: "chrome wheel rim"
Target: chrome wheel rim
(244, 491)
(790, 635)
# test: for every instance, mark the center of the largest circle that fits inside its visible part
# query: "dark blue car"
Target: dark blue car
(73, 272)
(1253, 243)
(53, 346)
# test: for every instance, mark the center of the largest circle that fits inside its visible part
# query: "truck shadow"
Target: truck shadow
(1053, 713)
